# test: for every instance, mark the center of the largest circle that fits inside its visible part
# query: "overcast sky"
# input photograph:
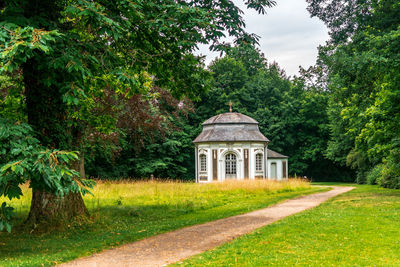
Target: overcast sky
(288, 35)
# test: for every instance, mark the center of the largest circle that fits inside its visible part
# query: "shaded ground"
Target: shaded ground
(177, 245)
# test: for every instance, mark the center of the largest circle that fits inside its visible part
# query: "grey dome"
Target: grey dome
(230, 127)
(230, 118)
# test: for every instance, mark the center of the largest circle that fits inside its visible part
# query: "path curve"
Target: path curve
(174, 246)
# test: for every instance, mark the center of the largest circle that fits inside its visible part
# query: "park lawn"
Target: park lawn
(127, 211)
(358, 228)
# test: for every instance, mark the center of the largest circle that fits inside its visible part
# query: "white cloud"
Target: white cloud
(288, 35)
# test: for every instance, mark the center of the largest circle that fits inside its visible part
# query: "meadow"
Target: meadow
(127, 211)
(358, 228)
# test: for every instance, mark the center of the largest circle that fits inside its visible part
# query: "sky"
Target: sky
(288, 34)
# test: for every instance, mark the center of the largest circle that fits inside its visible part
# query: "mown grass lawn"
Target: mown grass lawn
(359, 228)
(127, 211)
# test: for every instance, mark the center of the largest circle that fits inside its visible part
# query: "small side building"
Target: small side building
(231, 146)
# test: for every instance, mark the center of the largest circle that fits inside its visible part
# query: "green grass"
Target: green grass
(126, 211)
(359, 228)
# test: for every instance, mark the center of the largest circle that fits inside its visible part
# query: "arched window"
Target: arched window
(230, 164)
(203, 163)
(259, 162)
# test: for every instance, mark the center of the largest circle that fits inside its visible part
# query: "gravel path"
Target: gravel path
(174, 246)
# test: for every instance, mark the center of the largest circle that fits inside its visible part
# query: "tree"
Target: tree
(292, 113)
(163, 153)
(363, 69)
(70, 53)
(22, 158)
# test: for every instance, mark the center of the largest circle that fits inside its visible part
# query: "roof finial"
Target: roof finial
(230, 106)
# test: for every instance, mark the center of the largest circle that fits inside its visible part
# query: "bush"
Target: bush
(361, 177)
(390, 177)
(374, 176)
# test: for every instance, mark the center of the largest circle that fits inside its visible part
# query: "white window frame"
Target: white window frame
(259, 162)
(203, 162)
(231, 164)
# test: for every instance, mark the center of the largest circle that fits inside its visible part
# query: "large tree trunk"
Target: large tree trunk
(49, 209)
(47, 115)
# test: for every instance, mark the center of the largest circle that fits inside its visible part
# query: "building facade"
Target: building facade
(231, 146)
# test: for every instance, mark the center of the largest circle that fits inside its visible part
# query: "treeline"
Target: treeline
(290, 113)
(360, 68)
(339, 120)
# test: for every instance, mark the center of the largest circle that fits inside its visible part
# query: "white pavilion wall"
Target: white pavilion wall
(279, 168)
(222, 150)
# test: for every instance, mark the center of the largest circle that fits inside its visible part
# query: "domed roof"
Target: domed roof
(230, 127)
(230, 117)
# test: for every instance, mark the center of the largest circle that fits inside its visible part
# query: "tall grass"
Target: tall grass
(128, 192)
(167, 192)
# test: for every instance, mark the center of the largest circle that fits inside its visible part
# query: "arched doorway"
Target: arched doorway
(230, 166)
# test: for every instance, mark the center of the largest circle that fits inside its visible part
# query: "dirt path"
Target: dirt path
(173, 246)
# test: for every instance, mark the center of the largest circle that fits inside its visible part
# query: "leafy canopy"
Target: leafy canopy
(363, 65)
(74, 55)
(22, 159)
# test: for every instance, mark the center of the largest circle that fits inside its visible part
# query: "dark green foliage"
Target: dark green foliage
(374, 176)
(11, 102)
(173, 157)
(390, 174)
(363, 66)
(168, 156)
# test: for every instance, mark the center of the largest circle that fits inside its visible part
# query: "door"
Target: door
(273, 170)
(230, 166)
